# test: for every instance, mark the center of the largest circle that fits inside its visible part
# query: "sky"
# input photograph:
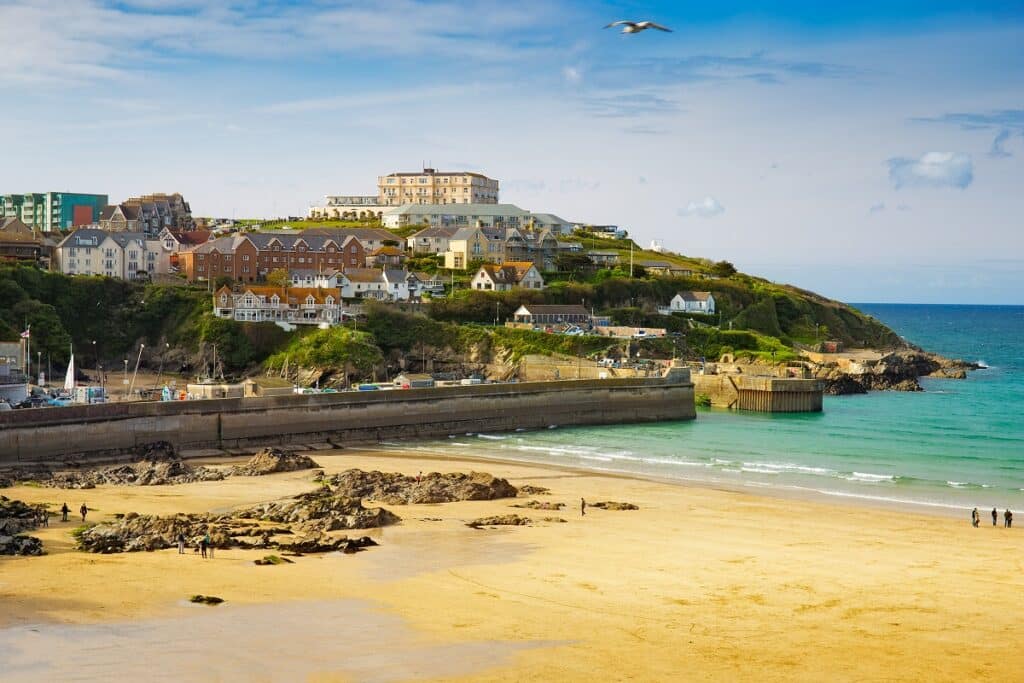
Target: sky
(868, 151)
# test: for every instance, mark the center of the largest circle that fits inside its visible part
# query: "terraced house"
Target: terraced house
(295, 305)
(251, 257)
(125, 255)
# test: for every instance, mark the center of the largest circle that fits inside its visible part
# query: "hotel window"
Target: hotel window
(245, 257)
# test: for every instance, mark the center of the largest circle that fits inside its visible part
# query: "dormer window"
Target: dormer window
(309, 300)
(275, 300)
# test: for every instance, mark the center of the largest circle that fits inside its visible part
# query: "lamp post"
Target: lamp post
(39, 366)
(96, 358)
(124, 382)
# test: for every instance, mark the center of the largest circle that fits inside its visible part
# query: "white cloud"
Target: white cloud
(932, 169)
(877, 208)
(709, 207)
(572, 74)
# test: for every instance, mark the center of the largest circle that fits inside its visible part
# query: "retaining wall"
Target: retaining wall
(112, 431)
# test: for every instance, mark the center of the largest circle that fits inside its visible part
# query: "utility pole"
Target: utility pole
(631, 259)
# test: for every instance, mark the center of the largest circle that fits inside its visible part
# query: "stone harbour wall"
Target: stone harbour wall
(121, 430)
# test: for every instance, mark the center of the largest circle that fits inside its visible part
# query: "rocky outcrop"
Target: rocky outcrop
(612, 505)
(300, 525)
(499, 520)
(16, 517)
(143, 473)
(20, 545)
(399, 489)
(272, 460)
(538, 505)
(897, 371)
(320, 511)
(531, 490)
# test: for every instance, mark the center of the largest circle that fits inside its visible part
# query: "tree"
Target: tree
(723, 269)
(48, 334)
(573, 264)
(223, 281)
(277, 278)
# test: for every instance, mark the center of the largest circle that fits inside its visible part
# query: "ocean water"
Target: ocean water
(959, 444)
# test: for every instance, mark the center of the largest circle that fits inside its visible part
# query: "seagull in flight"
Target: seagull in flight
(637, 26)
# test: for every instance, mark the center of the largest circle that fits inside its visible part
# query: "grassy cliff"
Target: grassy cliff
(755, 317)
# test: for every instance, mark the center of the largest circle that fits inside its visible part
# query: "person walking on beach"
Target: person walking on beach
(202, 546)
(84, 510)
(583, 507)
(975, 518)
(995, 516)
(209, 545)
(64, 510)
(181, 544)
(1007, 518)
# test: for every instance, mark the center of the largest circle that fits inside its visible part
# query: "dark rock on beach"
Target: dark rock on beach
(16, 517)
(272, 460)
(322, 510)
(539, 505)
(20, 545)
(531, 490)
(143, 473)
(612, 505)
(300, 525)
(206, 599)
(400, 489)
(499, 520)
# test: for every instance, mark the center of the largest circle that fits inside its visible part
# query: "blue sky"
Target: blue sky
(870, 151)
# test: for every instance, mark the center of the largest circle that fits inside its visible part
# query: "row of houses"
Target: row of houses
(150, 214)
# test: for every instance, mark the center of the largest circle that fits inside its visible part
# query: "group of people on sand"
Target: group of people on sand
(204, 546)
(1007, 518)
(64, 512)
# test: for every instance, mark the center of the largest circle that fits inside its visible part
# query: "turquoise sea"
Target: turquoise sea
(959, 444)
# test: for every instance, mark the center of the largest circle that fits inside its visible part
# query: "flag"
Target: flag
(27, 333)
(69, 378)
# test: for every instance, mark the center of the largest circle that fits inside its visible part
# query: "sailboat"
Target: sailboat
(69, 378)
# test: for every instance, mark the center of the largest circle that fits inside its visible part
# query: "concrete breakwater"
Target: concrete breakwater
(113, 431)
(761, 394)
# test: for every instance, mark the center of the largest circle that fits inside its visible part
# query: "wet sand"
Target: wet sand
(697, 584)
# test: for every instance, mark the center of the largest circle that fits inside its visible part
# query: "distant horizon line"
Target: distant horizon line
(912, 303)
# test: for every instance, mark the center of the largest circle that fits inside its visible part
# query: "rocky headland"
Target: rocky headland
(896, 371)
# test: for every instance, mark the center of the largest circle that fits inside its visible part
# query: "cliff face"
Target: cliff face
(898, 371)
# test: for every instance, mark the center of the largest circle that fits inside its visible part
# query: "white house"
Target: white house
(689, 302)
(495, 278)
(400, 284)
(325, 279)
(125, 255)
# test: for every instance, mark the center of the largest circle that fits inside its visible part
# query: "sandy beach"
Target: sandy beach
(698, 584)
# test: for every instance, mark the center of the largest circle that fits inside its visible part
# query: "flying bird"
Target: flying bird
(637, 26)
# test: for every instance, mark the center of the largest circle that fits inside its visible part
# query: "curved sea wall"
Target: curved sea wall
(119, 431)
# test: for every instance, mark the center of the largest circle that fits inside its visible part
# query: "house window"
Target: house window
(245, 257)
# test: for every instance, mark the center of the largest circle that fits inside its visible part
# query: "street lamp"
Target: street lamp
(124, 382)
(96, 357)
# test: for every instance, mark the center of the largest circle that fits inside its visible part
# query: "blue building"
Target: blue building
(51, 211)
